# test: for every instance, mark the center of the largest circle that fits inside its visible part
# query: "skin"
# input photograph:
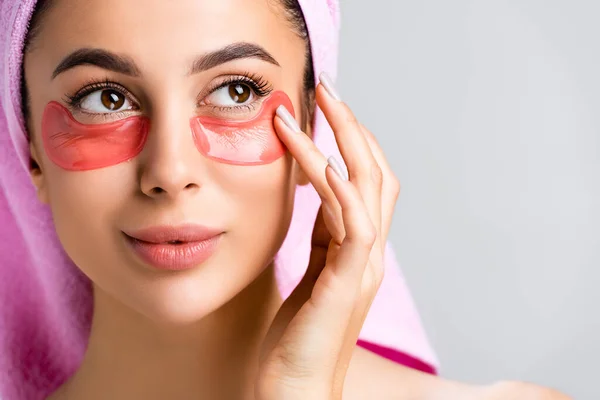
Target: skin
(159, 335)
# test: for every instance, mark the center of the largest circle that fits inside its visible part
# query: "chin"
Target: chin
(181, 303)
(171, 299)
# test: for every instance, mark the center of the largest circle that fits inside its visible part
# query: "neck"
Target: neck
(130, 356)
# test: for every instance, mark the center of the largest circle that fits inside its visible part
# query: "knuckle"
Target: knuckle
(395, 186)
(335, 289)
(376, 174)
(372, 279)
(349, 117)
(368, 287)
(378, 274)
(313, 151)
(368, 133)
(337, 294)
(367, 236)
(287, 363)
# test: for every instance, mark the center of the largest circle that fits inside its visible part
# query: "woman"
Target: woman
(148, 129)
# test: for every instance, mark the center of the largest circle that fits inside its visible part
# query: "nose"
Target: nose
(171, 165)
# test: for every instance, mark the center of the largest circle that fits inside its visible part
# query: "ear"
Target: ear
(301, 177)
(36, 173)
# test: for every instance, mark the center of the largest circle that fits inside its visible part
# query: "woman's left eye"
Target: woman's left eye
(234, 94)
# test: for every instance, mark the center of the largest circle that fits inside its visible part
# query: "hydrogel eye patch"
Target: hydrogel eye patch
(250, 142)
(79, 147)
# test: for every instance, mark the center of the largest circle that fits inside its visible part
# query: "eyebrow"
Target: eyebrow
(231, 52)
(100, 58)
(125, 65)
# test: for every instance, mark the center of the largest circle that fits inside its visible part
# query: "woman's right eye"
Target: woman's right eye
(104, 101)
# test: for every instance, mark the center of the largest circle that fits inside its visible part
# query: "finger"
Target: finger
(352, 143)
(337, 292)
(302, 148)
(371, 277)
(366, 173)
(353, 254)
(390, 189)
(323, 319)
(337, 288)
(313, 163)
(363, 169)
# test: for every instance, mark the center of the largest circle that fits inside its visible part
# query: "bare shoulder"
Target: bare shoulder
(522, 390)
(373, 377)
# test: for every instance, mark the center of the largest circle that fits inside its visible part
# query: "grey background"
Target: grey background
(488, 112)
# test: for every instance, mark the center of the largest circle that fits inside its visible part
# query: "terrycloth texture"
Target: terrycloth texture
(45, 302)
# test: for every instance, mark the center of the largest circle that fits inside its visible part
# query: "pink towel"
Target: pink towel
(45, 302)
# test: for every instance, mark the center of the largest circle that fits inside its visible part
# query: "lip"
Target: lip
(174, 247)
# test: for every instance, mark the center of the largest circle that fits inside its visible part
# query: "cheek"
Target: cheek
(252, 142)
(262, 197)
(74, 146)
(85, 207)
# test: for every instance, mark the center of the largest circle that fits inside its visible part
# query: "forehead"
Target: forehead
(168, 32)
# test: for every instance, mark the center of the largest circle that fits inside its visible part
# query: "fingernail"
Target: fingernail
(337, 167)
(287, 118)
(328, 85)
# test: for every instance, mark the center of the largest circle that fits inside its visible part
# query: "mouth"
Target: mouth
(174, 248)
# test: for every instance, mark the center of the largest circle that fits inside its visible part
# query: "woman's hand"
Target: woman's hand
(309, 345)
(308, 348)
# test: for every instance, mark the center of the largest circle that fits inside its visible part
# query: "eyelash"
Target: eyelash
(260, 86)
(74, 100)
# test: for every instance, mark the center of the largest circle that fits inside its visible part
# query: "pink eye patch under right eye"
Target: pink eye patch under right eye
(251, 142)
(74, 146)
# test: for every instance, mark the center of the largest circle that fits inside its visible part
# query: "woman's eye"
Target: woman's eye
(234, 94)
(105, 101)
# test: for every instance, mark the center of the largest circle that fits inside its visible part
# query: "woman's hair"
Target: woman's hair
(290, 8)
(294, 14)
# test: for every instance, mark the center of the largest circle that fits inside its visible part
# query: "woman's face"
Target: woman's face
(153, 46)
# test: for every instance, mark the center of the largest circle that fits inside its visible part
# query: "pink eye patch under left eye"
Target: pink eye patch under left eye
(250, 142)
(79, 147)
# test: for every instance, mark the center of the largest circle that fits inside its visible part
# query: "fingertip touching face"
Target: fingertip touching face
(149, 119)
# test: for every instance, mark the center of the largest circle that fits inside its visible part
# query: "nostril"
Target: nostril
(158, 190)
